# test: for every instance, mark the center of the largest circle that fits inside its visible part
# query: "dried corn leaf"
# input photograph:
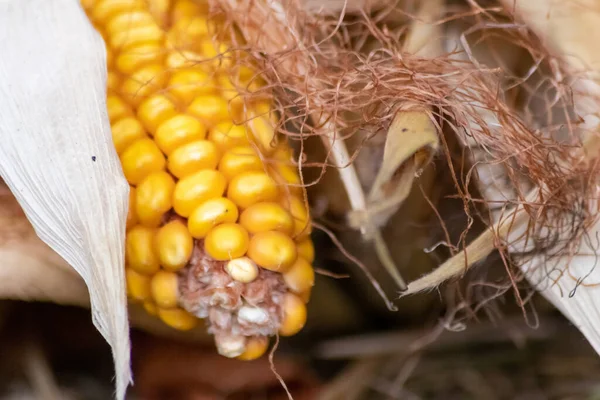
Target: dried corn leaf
(57, 155)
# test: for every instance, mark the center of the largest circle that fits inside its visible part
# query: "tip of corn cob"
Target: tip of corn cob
(217, 227)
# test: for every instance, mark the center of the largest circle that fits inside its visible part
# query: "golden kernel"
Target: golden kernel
(210, 109)
(177, 131)
(306, 249)
(126, 131)
(182, 59)
(296, 206)
(177, 318)
(263, 133)
(154, 198)
(183, 8)
(197, 188)
(300, 277)
(305, 296)
(103, 10)
(154, 110)
(117, 108)
(186, 85)
(136, 57)
(113, 82)
(193, 157)
(226, 241)
(252, 187)
(144, 82)
(127, 20)
(143, 33)
(286, 176)
(238, 160)
(242, 269)
(226, 135)
(139, 250)
(267, 216)
(294, 315)
(138, 285)
(174, 245)
(141, 159)
(165, 289)
(255, 347)
(210, 213)
(273, 250)
(188, 31)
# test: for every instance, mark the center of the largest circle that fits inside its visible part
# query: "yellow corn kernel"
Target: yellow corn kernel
(296, 206)
(144, 82)
(218, 51)
(154, 198)
(102, 10)
(113, 82)
(300, 277)
(267, 216)
(306, 249)
(117, 108)
(150, 307)
(238, 160)
(210, 109)
(177, 131)
(226, 135)
(181, 59)
(188, 84)
(242, 269)
(160, 10)
(273, 250)
(294, 315)
(263, 133)
(286, 176)
(255, 348)
(177, 318)
(284, 153)
(126, 21)
(165, 289)
(139, 250)
(174, 245)
(141, 159)
(126, 131)
(305, 296)
(154, 110)
(192, 157)
(252, 187)
(197, 188)
(187, 32)
(131, 217)
(138, 285)
(184, 8)
(226, 241)
(210, 213)
(140, 34)
(136, 57)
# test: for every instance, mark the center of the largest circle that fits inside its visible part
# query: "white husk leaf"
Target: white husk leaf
(57, 155)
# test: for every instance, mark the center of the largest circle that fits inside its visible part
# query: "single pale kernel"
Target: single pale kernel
(139, 250)
(103, 10)
(306, 249)
(294, 315)
(267, 216)
(154, 198)
(242, 269)
(248, 314)
(226, 241)
(255, 347)
(117, 108)
(177, 318)
(178, 131)
(186, 85)
(227, 135)
(154, 110)
(127, 20)
(210, 109)
(197, 188)
(238, 160)
(131, 216)
(231, 345)
(165, 289)
(252, 187)
(138, 285)
(174, 245)
(141, 159)
(126, 131)
(300, 277)
(210, 213)
(136, 57)
(192, 157)
(150, 307)
(144, 82)
(272, 250)
(143, 33)
(296, 206)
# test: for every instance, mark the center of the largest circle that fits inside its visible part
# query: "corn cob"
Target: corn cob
(216, 229)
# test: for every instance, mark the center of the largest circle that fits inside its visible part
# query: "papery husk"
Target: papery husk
(57, 155)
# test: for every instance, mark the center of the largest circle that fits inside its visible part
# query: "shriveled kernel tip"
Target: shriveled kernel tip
(242, 269)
